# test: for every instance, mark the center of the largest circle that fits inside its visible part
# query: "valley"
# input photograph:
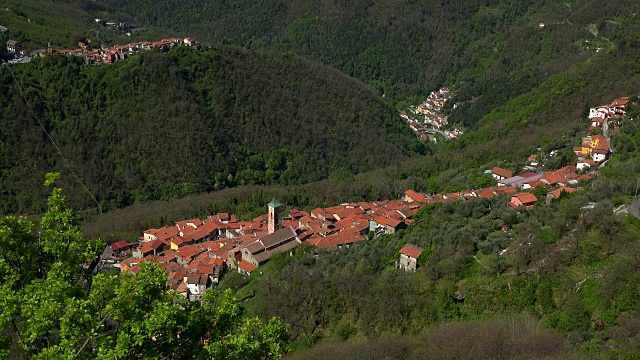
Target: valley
(317, 180)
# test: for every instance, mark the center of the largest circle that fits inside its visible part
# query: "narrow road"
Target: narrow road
(483, 265)
(430, 130)
(605, 131)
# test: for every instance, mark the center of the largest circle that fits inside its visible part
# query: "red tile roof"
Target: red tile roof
(486, 193)
(417, 197)
(189, 251)
(505, 190)
(528, 174)
(341, 238)
(585, 177)
(553, 178)
(246, 266)
(502, 172)
(411, 250)
(526, 198)
(556, 193)
(387, 222)
(452, 197)
(537, 183)
(122, 244)
(151, 245)
(567, 169)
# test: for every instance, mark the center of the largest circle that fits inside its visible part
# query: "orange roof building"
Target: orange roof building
(523, 199)
(501, 174)
(410, 196)
(245, 267)
(409, 255)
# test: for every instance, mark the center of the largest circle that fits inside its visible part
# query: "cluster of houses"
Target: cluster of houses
(196, 252)
(564, 179)
(103, 54)
(595, 148)
(593, 151)
(432, 107)
(431, 110)
(415, 125)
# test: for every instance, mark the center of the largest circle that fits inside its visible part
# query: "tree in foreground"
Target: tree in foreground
(53, 306)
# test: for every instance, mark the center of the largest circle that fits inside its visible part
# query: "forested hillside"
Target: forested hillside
(165, 125)
(490, 50)
(551, 117)
(34, 24)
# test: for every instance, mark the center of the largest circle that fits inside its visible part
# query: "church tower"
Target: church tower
(273, 223)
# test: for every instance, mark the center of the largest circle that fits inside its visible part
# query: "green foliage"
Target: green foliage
(202, 121)
(511, 338)
(491, 52)
(54, 307)
(3, 49)
(344, 329)
(37, 23)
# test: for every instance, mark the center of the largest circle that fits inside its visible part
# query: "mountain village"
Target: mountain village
(197, 252)
(100, 54)
(434, 119)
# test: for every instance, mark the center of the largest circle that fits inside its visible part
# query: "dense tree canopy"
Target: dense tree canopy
(166, 125)
(490, 50)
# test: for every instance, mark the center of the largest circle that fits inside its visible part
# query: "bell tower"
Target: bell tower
(273, 223)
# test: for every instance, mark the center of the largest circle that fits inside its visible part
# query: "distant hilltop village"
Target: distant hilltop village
(102, 54)
(107, 55)
(434, 119)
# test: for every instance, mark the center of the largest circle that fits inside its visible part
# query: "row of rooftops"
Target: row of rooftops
(616, 108)
(201, 241)
(102, 54)
(224, 234)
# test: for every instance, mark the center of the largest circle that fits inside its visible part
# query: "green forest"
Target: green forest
(490, 51)
(166, 125)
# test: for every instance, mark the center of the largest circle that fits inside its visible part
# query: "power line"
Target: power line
(35, 116)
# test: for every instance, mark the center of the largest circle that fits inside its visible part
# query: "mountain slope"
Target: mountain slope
(491, 51)
(167, 125)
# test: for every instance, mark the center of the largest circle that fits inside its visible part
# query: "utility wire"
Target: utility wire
(35, 116)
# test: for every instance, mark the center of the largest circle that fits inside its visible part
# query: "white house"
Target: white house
(197, 285)
(12, 46)
(597, 121)
(585, 164)
(409, 257)
(500, 173)
(599, 155)
(600, 111)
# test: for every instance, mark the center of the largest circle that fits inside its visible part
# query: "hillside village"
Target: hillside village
(197, 252)
(102, 54)
(434, 118)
